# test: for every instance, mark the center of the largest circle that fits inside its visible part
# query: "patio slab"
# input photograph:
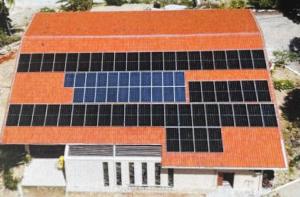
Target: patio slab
(43, 172)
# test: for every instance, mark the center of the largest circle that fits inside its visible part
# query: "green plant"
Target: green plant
(75, 5)
(46, 9)
(237, 4)
(5, 21)
(115, 2)
(10, 182)
(282, 58)
(134, 1)
(264, 4)
(5, 39)
(188, 3)
(283, 85)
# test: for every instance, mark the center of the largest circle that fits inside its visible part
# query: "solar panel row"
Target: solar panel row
(134, 61)
(262, 115)
(197, 139)
(231, 91)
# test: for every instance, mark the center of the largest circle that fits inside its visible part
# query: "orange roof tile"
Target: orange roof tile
(142, 31)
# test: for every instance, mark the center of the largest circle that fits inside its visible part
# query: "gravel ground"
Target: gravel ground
(278, 31)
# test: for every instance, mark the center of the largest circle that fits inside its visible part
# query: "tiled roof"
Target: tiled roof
(244, 147)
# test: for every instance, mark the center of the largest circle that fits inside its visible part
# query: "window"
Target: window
(131, 173)
(144, 174)
(118, 173)
(171, 177)
(157, 173)
(105, 174)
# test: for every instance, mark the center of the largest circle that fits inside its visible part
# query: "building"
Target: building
(176, 100)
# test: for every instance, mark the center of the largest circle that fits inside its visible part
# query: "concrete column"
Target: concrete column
(164, 177)
(112, 174)
(125, 173)
(151, 173)
(138, 173)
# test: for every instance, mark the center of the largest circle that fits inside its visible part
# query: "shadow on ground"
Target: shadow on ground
(295, 45)
(291, 106)
(290, 9)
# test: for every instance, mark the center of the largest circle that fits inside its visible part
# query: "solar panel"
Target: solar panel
(91, 115)
(145, 61)
(131, 115)
(24, 61)
(65, 115)
(201, 143)
(144, 115)
(169, 61)
(104, 115)
(26, 115)
(78, 115)
(246, 59)
(259, 59)
(47, 63)
(195, 91)
(208, 91)
(108, 61)
(158, 114)
(13, 115)
(195, 60)
(212, 115)
(35, 62)
(52, 115)
(232, 60)
(249, 91)
(96, 62)
(72, 62)
(226, 113)
(235, 91)
(186, 140)
(171, 115)
(172, 140)
(269, 115)
(254, 114)
(262, 91)
(84, 62)
(118, 115)
(182, 60)
(39, 115)
(157, 61)
(240, 115)
(120, 62)
(199, 117)
(60, 63)
(220, 60)
(132, 61)
(207, 60)
(222, 91)
(185, 115)
(215, 140)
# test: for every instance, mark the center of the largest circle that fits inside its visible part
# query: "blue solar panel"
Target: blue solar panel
(89, 95)
(124, 79)
(156, 94)
(102, 79)
(134, 79)
(168, 79)
(90, 80)
(112, 79)
(69, 80)
(179, 94)
(134, 94)
(101, 94)
(127, 86)
(112, 95)
(146, 94)
(157, 79)
(179, 79)
(78, 95)
(169, 94)
(80, 80)
(123, 94)
(146, 79)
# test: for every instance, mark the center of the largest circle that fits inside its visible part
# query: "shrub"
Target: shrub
(263, 3)
(5, 39)
(46, 9)
(9, 181)
(75, 5)
(115, 2)
(282, 58)
(283, 85)
(237, 4)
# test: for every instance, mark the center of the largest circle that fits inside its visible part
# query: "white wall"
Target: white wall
(247, 180)
(194, 179)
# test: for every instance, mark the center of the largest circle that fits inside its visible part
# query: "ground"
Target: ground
(278, 33)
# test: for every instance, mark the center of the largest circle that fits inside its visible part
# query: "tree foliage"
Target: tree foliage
(237, 4)
(115, 2)
(75, 5)
(5, 21)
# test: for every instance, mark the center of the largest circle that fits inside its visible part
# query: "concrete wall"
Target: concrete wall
(86, 174)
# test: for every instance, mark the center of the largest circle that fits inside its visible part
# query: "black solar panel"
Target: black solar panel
(120, 62)
(24, 61)
(220, 60)
(91, 115)
(182, 60)
(108, 61)
(246, 59)
(13, 115)
(207, 60)
(84, 62)
(60, 62)
(96, 62)
(39, 115)
(170, 61)
(195, 60)
(132, 61)
(186, 140)
(65, 115)
(232, 60)
(48, 62)
(52, 115)
(35, 62)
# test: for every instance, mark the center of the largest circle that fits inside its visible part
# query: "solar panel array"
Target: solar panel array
(231, 91)
(142, 61)
(127, 86)
(149, 89)
(175, 115)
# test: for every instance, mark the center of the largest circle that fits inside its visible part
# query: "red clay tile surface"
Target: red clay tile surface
(145, 31)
